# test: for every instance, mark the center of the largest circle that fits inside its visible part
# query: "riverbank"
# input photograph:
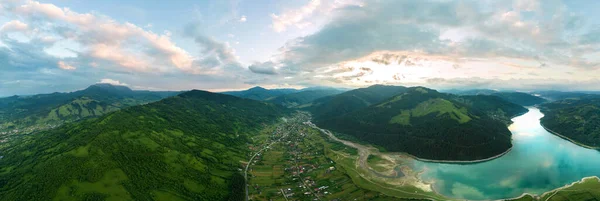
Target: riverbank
(465, 162)
(460, 162)
(568, 139)
(538, 197)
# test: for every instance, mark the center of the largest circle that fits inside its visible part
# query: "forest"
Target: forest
(185, 147)
(576, 119)
(432, 125)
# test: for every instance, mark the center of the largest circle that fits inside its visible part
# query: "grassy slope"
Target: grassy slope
(187, 147)
(42, 111)
(493, 106)
(586, 189)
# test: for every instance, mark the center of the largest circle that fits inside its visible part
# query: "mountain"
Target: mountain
(493, 106)
(429, 125)
(303, 98)
(471, 91)
(259, 93)
(186, 147)
(520, 98)
(561, 95)
(42, 111)
(575, 119)
(333, 106)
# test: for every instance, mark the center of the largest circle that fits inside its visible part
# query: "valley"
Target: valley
(401, 176)
(258, 150)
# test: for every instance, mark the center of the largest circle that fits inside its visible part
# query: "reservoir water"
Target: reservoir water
(539, 162)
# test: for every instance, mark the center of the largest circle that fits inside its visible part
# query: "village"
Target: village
(296, 167)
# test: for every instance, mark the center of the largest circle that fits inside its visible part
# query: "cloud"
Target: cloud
(14, 25)
(111, 81)
(65, 66)
(263, 68)
(124, 46)
(216, 52)
(243, 18)
(303, 16)
(417, 33)
(55, 44)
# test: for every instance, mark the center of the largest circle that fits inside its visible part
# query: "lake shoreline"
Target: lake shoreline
(465, 162)
(551, 191)
(567, 138)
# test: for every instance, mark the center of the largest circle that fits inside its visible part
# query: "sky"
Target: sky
(218, 45)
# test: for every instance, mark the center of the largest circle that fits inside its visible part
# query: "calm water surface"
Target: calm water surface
(538, 162)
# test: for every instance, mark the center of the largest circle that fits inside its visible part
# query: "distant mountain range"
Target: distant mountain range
(35, 112)
(293, 98)
(259, 93)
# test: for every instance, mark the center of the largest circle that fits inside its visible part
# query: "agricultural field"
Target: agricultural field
(298, 168)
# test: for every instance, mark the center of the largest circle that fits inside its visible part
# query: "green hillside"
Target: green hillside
(187, 147)
(38, 112)
(493, 106)
(303, 98)
(520, 98)
(430, 125)
(576, 119)
(333, 106)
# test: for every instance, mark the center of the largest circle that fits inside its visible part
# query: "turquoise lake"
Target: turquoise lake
(539, 162)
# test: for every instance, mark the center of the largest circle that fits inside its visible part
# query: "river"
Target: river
(538, 162)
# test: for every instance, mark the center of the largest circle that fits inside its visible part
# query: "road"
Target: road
(364, 152)
(252, 158)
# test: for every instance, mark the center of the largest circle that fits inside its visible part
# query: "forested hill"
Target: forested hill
(303, 98)
(429, 124)
(520, 98)
(576, 119)
(48, 110)
(186, 147)
(259, 93)
(333, 106)
(493, 106)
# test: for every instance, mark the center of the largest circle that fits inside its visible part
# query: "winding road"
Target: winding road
(252, 158)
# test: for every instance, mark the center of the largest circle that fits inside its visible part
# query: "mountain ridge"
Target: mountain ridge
(184, 147)
(428, 125)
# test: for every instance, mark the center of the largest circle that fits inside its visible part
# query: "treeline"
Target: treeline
(442, 139)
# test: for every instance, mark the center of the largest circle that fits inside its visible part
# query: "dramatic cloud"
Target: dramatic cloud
(448, 35)
(343, 43)
(102, 40)
(42, 45)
